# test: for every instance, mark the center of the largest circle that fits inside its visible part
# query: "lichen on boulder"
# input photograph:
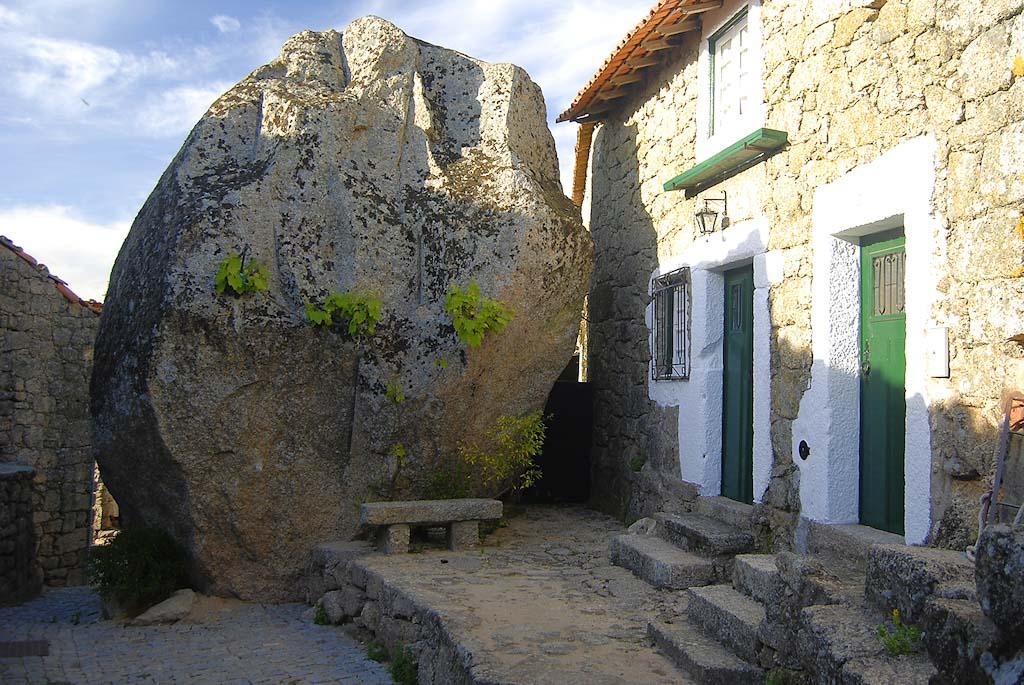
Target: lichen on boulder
(361, 161)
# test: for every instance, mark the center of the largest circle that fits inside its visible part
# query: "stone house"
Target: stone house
(45, 362)
(809, 258)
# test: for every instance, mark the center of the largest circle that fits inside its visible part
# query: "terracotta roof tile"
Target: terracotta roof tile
(62, 286)
(664, 14)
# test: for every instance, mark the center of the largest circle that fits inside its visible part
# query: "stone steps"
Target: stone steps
(840, 644)
(756, 576)
(847, 545)
(904, 578)
(728, 616)
(706, 660)
(736, 514)
(660, 563)
(703, 535)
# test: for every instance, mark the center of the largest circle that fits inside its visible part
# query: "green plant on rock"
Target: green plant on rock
(474, 315)
(320, 615)
(636, 464)
(399, 452)
(404, 669)
(502, 460)
(901, 639)
(784, 676)
(395, 393)
(237, 278)
(359, 312)
(377, 652)
(138, 568)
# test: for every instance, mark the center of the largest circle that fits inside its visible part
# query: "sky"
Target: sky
(100, 94)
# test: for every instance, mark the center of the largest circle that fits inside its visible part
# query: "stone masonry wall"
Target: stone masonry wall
(20, 576)
(848, 80)
(849, 86)
(44, 407)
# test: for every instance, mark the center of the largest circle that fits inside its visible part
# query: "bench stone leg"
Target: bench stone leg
(463, 535)
(394, 539)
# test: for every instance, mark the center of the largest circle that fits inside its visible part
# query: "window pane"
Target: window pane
(733, 76)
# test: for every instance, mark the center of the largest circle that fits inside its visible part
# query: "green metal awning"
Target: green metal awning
(744, 153)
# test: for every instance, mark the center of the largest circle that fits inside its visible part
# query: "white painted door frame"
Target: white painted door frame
(894, 191)
(700, 398)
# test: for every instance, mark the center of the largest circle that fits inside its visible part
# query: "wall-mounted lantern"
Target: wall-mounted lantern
(707, 218)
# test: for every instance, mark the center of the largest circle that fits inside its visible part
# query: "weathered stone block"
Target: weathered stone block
(394, 539)
(171, 610)
(463, 535)
(429, 511)
(900, 577)
(1000, 577)
(369, 617)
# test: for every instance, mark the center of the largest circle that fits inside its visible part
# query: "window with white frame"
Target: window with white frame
(733, 74)
(671, 358)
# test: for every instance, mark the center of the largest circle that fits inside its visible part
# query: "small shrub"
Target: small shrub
(320, 615)
(901, 639)
(636, 464)
(236, 277)
(138, 568)
(475, 315)
(404, 669)
(360, 310)
(377, 652)
(502, 460)
(441, 363)
(784, 676)
(451, 480)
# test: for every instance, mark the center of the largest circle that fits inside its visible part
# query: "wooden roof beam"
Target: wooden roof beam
(643, 62)
(613, 94)
(628, 77)
(682, 27)
(698, 7)
(656, 45)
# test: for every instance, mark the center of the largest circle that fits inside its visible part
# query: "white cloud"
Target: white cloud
(174, 112)
(8, 17)
(55, 74)
(77, 251)
(225, 24)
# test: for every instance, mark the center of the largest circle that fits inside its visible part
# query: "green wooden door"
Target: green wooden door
(738, 386)
(883, 406)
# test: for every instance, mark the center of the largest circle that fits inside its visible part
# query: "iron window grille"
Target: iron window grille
(671, 330)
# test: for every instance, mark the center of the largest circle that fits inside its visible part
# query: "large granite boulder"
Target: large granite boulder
(999, 573)
(365, 160)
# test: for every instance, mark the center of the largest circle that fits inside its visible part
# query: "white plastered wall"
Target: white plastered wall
(700, 398)
(893, 191)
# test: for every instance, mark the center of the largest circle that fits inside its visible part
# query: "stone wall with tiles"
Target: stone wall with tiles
(848, 80)
(20, 575)
(45, 363)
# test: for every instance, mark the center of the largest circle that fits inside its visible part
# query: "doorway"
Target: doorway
(738, 386)
(883, 405)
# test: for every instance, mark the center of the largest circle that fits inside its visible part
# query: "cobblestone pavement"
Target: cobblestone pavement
(243, 643)
(540, 603)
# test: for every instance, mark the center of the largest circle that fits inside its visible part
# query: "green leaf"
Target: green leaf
(474, 315)
(258, 278)
(317, 316)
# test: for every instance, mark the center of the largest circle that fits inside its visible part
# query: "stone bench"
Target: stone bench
(461, 517)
